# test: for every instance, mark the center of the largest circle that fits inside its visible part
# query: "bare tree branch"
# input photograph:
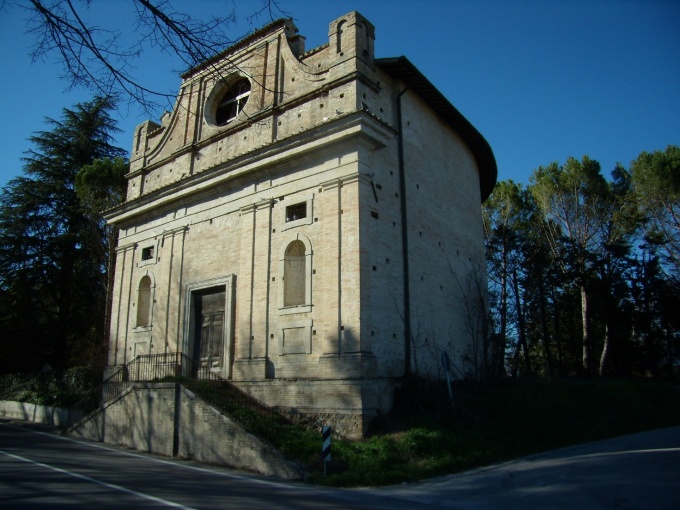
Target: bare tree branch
(103, 60)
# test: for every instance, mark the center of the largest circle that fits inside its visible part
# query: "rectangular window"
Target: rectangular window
(300, 212)
(296, 212)
(147, 253)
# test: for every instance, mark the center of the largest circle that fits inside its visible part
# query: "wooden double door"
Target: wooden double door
(209, 337)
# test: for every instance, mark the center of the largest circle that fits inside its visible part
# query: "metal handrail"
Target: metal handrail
(254, 415)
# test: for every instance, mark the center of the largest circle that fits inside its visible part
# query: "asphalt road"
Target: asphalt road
(639, 471)
(39, 469)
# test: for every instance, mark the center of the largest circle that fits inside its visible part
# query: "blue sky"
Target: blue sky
(541, 80)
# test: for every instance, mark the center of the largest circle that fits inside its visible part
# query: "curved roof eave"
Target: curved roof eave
(401, 68)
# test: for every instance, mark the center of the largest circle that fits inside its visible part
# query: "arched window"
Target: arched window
(144, 302)
(338, 35)
(232, 102)
(294, 274)
(295, 269)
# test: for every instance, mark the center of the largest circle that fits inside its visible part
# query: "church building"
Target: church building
(305, 223)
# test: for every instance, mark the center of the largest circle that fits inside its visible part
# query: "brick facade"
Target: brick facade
(300, 207)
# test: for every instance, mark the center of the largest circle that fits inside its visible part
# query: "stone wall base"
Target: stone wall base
(347, 405)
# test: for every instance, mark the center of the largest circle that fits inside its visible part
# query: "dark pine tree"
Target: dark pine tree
(53, 247)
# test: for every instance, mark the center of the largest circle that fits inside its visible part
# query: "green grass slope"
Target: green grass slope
(426, 436)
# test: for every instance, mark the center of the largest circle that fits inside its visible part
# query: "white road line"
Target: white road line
(99, 482)
(147, 458)
(347, 495)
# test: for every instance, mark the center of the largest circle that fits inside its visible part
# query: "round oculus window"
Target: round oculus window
(232, 102)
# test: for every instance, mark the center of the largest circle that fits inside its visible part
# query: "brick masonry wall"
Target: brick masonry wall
(211, 200)
(346, 405)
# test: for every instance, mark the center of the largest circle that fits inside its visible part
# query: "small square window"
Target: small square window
(300, 212)
(147, 253)
(296, 212)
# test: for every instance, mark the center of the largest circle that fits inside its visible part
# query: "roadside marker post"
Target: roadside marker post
(325, 446)
(446, 363)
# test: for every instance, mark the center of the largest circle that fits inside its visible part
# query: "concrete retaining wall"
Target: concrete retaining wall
(158, 418)
(58, 416)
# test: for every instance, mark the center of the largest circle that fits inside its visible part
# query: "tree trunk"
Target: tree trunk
(544, 326)
(504, 297)
(605, 350)
(521, 325)
(558, 338)
(584, 322)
